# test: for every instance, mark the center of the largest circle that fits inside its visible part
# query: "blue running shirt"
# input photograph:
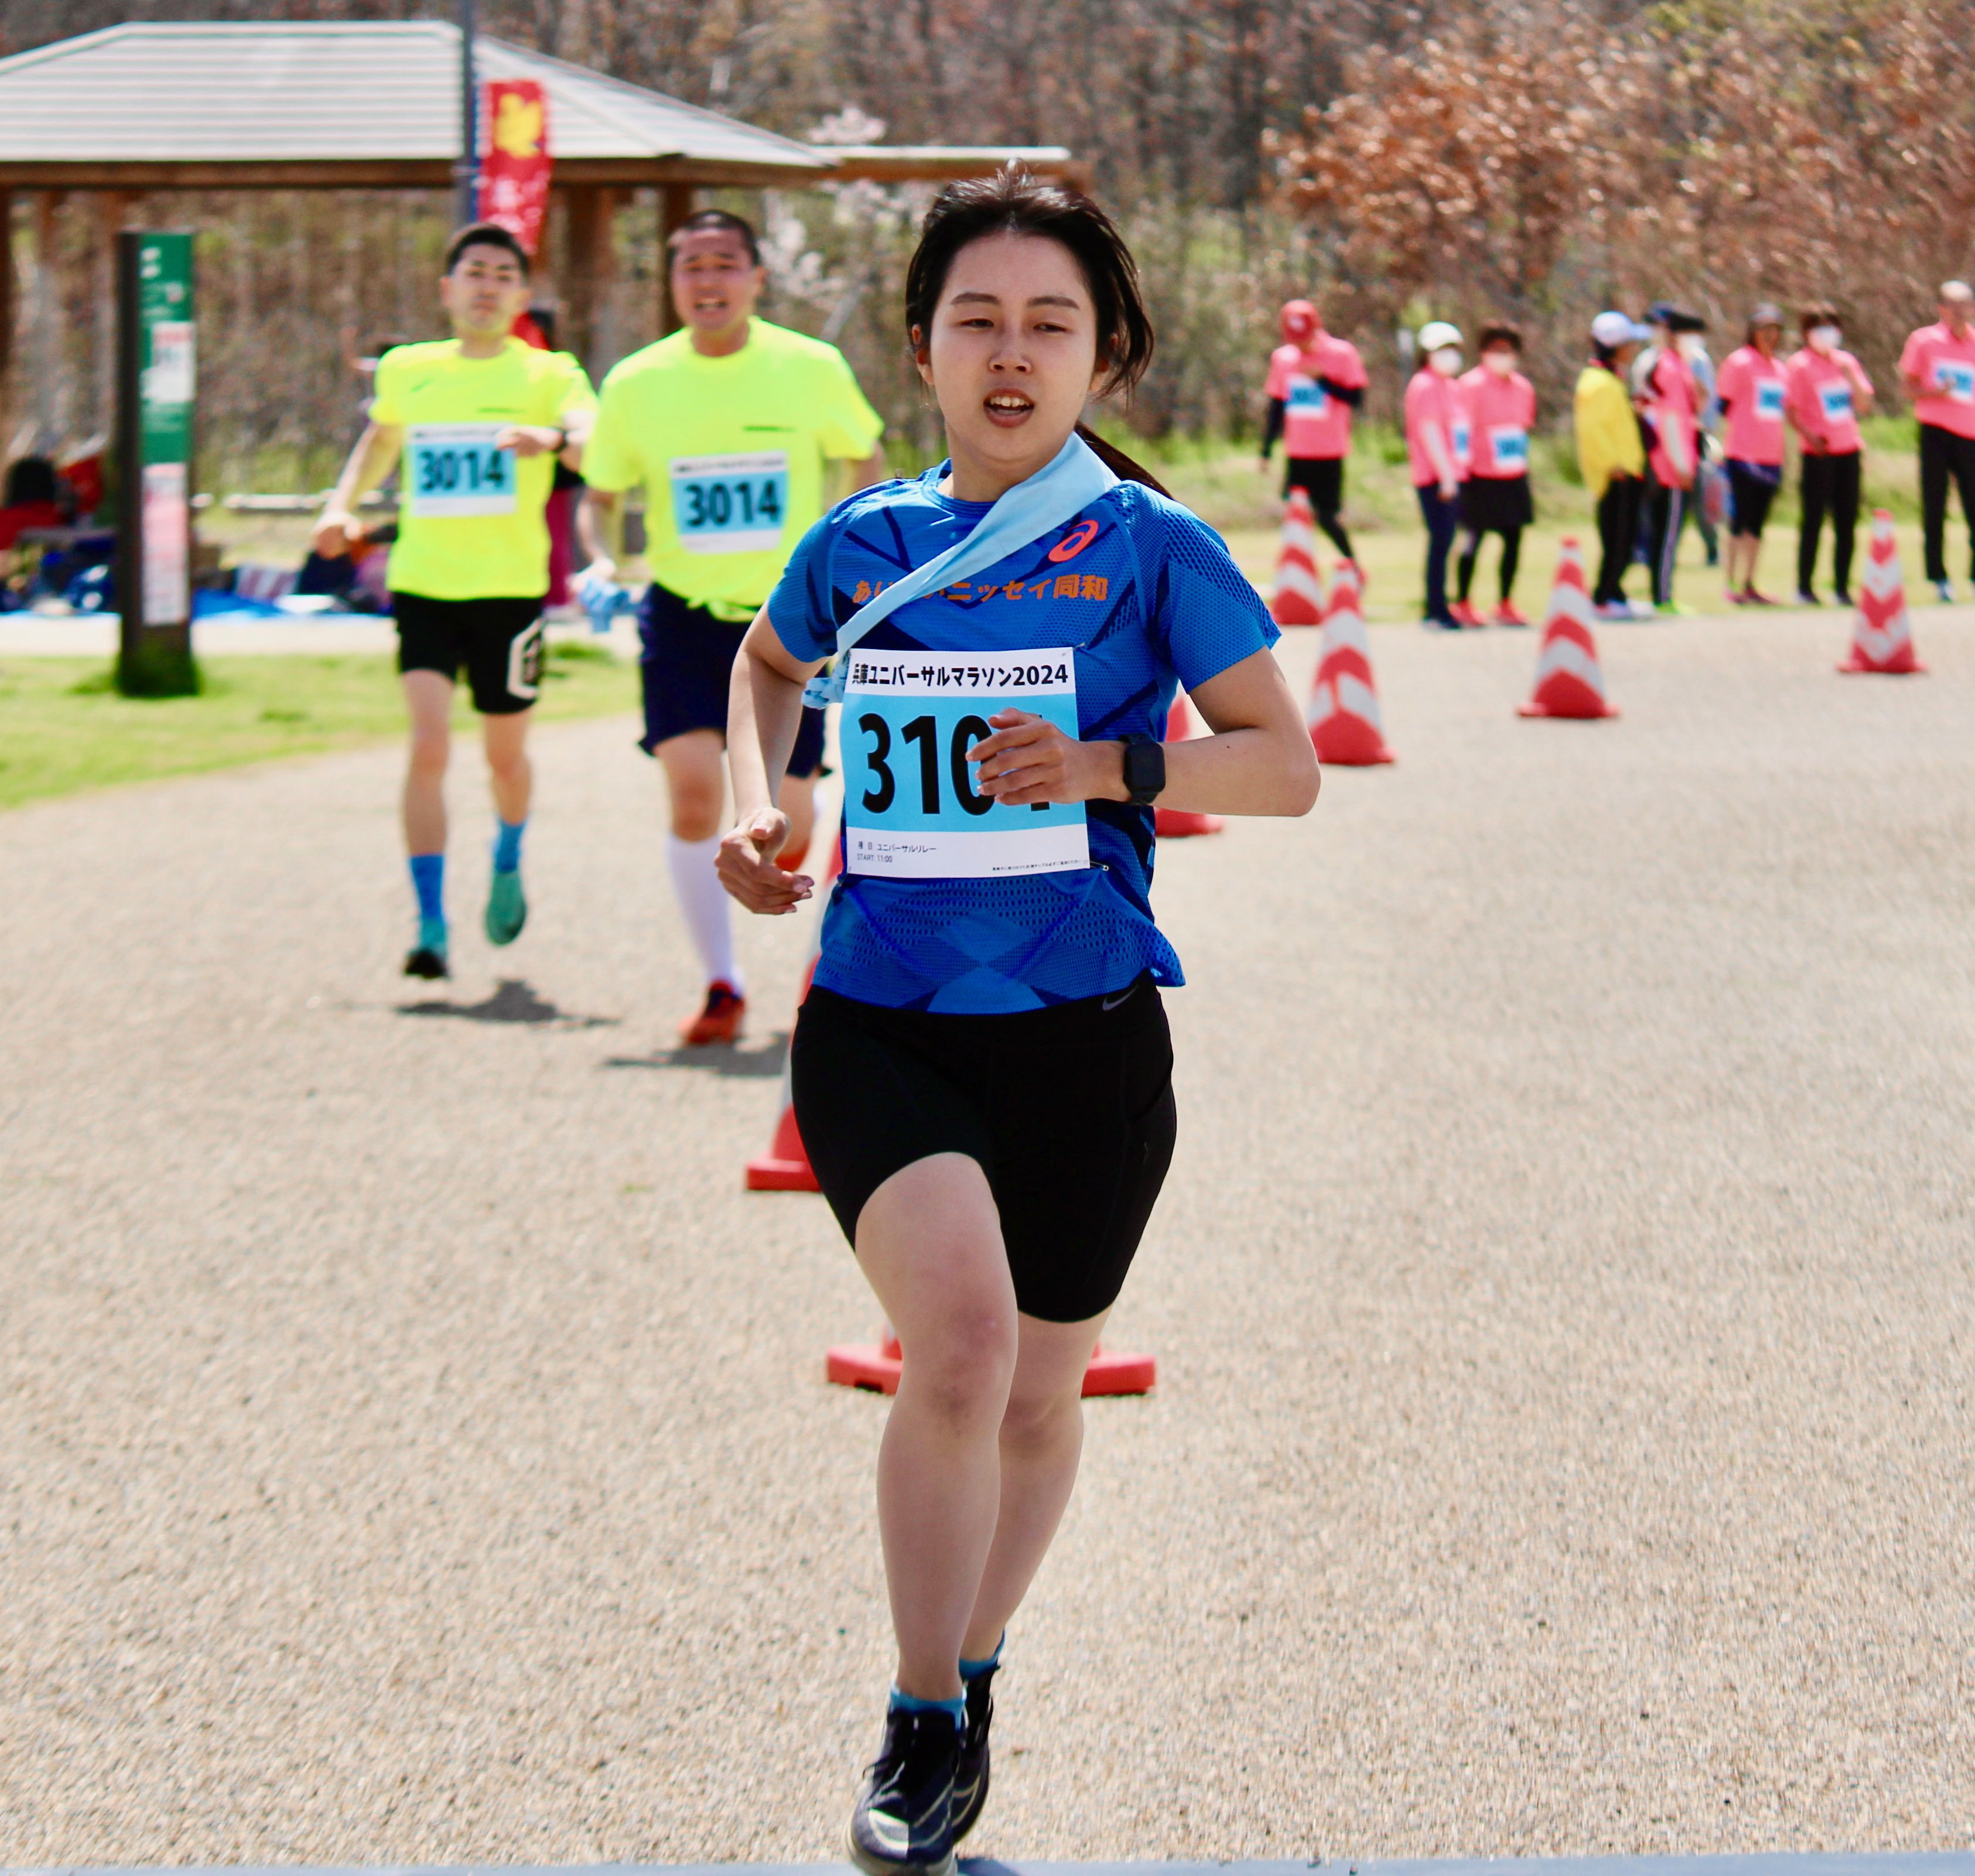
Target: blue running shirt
(1147, 594)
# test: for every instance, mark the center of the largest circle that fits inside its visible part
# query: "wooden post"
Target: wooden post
(676, 205)
(113, 208)
(592, 266)
(6, 316)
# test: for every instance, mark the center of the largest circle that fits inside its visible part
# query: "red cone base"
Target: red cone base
(785, 1167)
(875, 1369)
(1177, 823)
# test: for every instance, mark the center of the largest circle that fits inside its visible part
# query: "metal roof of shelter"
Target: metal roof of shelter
(280, 103)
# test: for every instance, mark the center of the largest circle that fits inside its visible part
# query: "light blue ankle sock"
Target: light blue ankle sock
(428, 882)
(973, 1670)
(956, 1708)
(507, 845)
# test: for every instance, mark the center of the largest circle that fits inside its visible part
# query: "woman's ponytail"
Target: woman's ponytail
(1120, 464)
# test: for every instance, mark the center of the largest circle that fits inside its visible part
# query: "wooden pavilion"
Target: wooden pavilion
(141, 109)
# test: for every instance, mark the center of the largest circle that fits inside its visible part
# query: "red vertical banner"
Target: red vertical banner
(514, 167)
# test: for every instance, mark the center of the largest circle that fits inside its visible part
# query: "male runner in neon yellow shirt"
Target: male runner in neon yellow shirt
(729, 424)
(474, 424)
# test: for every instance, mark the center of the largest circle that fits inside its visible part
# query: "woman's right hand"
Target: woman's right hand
(746, 865)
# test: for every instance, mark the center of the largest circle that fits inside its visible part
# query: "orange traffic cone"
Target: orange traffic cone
(1569, 681)
(874, 1367)
(1345, 724)
(785, 1167)
(1881, 636)
(1177, 823)
(1299, 599)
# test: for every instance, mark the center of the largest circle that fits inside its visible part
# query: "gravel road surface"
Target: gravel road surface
(413, 1444)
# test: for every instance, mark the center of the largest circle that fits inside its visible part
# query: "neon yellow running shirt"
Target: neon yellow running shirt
(730, 453)
(470, 519)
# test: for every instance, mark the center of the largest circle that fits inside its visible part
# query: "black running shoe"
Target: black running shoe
(970, 1770)
(903, 1824)
(427, 962)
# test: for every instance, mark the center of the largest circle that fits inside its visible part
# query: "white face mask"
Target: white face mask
(1688, 344)
(1823, 338)
(1446, 361)
(1501, 363)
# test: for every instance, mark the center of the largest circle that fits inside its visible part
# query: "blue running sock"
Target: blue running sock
(428, 882)
(507, 845)
(973, 1670)
(902, 1702)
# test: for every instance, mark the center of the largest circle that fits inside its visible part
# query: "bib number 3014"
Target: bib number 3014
(454, 469)
(911, 810)
(731, 505)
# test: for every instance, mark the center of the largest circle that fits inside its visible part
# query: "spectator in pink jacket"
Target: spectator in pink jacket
(1316, 381)
(1495, 498)
(1752, 389)
(1828, 392)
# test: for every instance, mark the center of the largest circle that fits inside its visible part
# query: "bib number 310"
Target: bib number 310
(911, 808)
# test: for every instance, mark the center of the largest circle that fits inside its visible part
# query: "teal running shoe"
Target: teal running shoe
(507, 907)
(427, 958)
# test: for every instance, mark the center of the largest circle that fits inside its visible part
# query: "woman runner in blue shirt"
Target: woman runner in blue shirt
(981, 1070)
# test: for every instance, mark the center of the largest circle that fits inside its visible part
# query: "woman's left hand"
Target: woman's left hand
(1028, 759)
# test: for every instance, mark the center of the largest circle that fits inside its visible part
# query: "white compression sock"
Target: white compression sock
(703, 904)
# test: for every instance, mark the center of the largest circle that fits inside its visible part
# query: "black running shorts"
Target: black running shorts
(1068, 1111)
(1493, 504)
(685, 660)
(1320, 478)
(498, 641)
(1751, 486)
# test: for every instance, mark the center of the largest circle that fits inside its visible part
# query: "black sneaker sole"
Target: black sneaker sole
(884, 1866)
(426, 963)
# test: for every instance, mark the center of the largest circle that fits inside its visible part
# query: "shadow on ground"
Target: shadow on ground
(756, 1063)
(513, 1000)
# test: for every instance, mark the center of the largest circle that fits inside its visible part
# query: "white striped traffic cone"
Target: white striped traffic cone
(1569, 682)
(1299, 599)
(1345, 726)
(1882, 635)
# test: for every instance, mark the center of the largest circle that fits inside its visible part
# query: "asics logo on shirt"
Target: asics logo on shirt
(1073, 543)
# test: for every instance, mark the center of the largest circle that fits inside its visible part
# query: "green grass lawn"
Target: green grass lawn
(63, 729)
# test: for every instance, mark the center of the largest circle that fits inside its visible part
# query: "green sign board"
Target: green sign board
(158, 384)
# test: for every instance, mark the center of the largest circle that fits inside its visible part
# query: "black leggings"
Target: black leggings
(1830, 483)
(1470, 553)
(1618, 526)
(1942, 453)
(1666, 513)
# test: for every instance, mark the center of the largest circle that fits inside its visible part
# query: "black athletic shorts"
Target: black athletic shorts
(1068, 1111)
(1751, 486)
(498, 641)
(1320, 478)
(1493, 504)
(686, 660)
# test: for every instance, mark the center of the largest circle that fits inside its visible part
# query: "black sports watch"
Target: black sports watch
(1145, 769)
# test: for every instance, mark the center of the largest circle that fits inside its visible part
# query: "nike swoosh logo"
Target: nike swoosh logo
(1111, 1003)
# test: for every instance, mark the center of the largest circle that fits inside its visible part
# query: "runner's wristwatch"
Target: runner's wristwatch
(1145, 769)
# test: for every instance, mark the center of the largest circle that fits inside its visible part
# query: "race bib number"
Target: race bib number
(1510, 444)
(731, 505)
(1464, 442)
(454, 469)
(1769, 401)
(1307, 397)
(910, 810)
(1836, 400)
(1956, 379)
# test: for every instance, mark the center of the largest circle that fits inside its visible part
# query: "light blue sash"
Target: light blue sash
(1076, 478)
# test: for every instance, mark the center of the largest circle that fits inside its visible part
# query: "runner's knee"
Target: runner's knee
(961, 1368)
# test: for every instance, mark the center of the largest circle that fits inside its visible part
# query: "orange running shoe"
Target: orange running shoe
(1507, 613)
(719, 1022)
